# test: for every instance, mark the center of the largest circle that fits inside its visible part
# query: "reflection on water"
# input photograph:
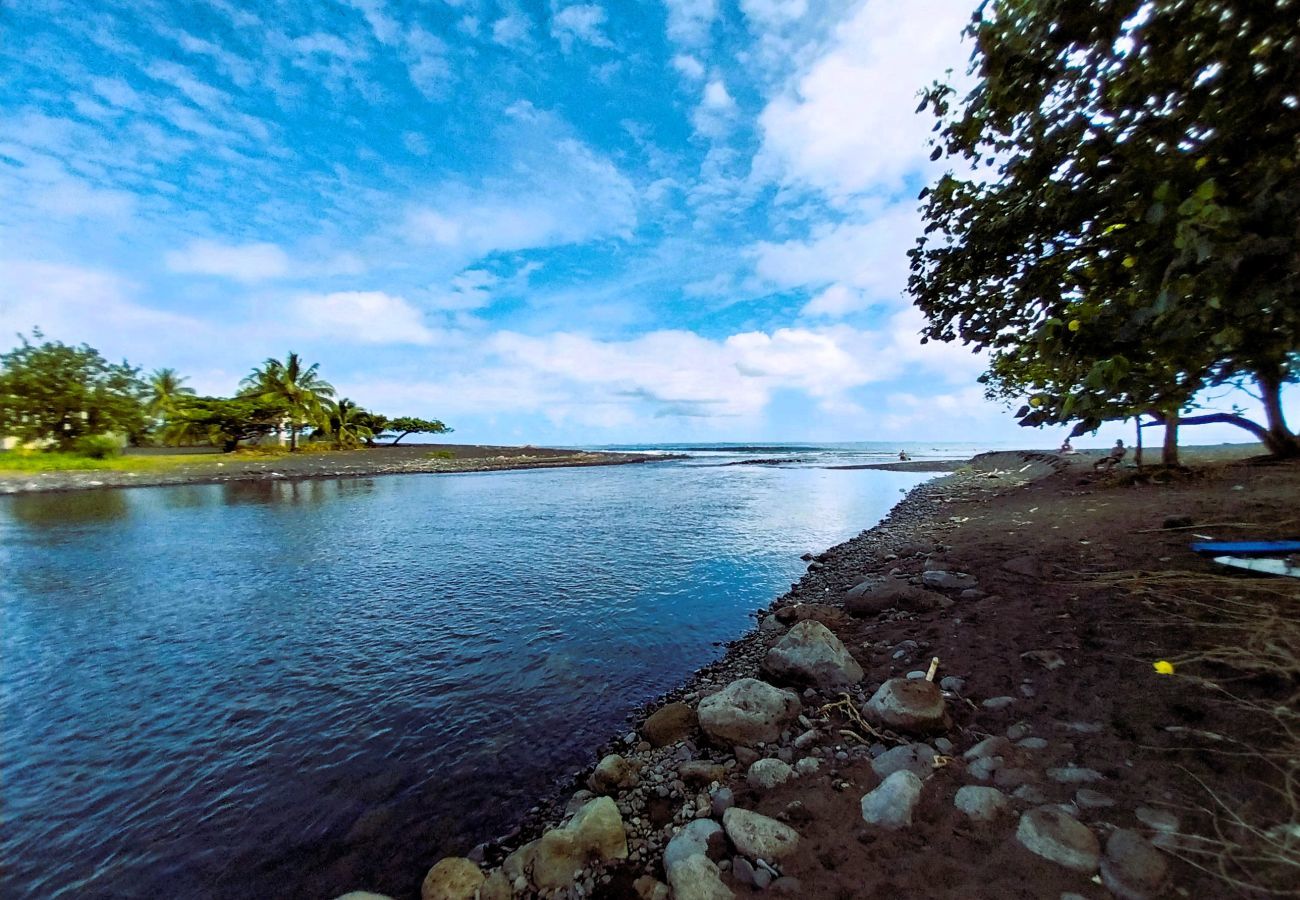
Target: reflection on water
(294, 689)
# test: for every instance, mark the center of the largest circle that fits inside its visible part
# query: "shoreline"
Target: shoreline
(409, 459)
(668, 785)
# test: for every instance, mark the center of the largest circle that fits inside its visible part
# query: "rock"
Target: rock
(984, 767)
(912, 706)
(1087, 798)
(648, 887)
(891, 804)
(807, 766)
(362, 895)
(700, 837)
(1074, 775)
(1048, 659)
(993, 704)
(915, 758)
(1018, 731)
(953, 683)
(809, 653)
(874, 597)
(982, 804)
(767, 774)
(497, 887)
(745, 756)
(1008, 777)
(1132, 869)
(993, 746)
(721, 800)
(757, 836)
(770, 625)
(1032, 743)
(743, 871)
(1028, 566)
(762, 879)
(697, 878)
(595, 833)
(1157, 819)
(453, 878)
(747, 712)
(1030, 794)
(948, 581)
(700, 773)
(787, 886)
(1060, 838)
(669, 724)
(612, 774)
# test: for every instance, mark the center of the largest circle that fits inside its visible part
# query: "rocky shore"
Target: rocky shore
(960, 702)
(402, 460)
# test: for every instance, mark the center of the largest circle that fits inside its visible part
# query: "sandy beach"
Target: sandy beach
(1062, 757)
(218, 468)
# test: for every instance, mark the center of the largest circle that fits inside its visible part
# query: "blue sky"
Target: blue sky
(540, 222)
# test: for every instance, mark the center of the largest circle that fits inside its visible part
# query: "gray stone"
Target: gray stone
(1085, 727)
(1087, 798)
(721, 800)
(809, 653)
(943, 745)
(669, 724)
(762, 879)
(700, 837)
(915, 758)
(917, 674)
(767, 774)
(1157, 819)
(873, 597)
(983, 804)
(992, 746)
(1008, 777)
(698, 772)
(809, 766)
(1132, 869)
(758, 836)
(787, 886)
(948, 581)
(984, 767)
(771, 625)
(1074, 775)
(1032, 743)
(747, 712)
(742, 870)
(1030, 793)
(1052, 834)
(911, 706)
(891, 804)
(697, 878)
(993, 704)
(953, 683)
(1018, 731)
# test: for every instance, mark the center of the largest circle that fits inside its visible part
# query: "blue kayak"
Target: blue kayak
(1246, 548)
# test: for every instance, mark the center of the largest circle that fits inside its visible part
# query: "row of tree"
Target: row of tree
(59, 396)
(1119, 222)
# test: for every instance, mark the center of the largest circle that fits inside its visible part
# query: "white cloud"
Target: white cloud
(582, 23)
(365, 317)
(242, 262)
(835, 302)
(471, 289)
(511, 30)
(773, 13)
(717, 110)
(688, 66)
(689, 21)
(848, 123)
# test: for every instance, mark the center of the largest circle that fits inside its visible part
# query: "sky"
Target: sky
(542, 222)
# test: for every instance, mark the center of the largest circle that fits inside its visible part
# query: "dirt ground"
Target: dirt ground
(1085, 582)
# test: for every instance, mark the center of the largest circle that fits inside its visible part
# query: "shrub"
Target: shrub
(97, 446)
(440, 454)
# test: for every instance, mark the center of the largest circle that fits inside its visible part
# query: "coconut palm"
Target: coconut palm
(348, 425)
(303, 392)
(167, 391)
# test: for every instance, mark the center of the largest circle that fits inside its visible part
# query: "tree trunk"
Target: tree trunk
(293, 437)
(402, 435)
(1137, 451)
(1169, 453)
(1280, 440)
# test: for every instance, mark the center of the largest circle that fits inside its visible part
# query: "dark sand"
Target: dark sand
(1094, 568)
(216, 468)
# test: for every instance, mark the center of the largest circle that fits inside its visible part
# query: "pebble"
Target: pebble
(742, 870)
(809, 766)
(917, 674)
(983, 804)
(997, 703)
(1030, 794)
(1085, 727)
(762, 879)
(992, 746)
(1074, 775)
(1132, 869)
(1032, 743)
(984, 767)
(1056, 836)
(943, 745)
(756, 835)
(953, 683)
(1019, 731)
(722, 800)
(1157, 819)
(1087, 798)
(891, 804)
(915, 758)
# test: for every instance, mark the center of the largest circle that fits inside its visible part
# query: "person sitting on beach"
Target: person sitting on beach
(1112, 459)
(902, 456)
(1066, 449)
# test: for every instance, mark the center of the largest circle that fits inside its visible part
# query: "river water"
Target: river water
(293, 689)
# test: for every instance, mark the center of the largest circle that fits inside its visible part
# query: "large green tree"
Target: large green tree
(224, 422)
(405, 425)
(348, 425)
(167, 394)
(1119, 225)
(54, 393)
(304, 395)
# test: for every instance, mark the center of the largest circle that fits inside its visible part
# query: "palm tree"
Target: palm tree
(166, 392)
(303, 392)
(347, 424)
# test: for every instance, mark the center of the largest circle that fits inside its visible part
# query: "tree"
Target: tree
(376, 423)
(167, 392)
(224, 422)
(301, 391)
(52, 392)
(347, 425)
(1123, 230)
(404, 425)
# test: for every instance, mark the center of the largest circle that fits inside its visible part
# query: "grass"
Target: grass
(27, 462)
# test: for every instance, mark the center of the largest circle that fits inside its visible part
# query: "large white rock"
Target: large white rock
(891, 804)
(696, 838)
(810, 653)
(1054, 835)
(697, 878)
(595, 833)
(746, 712)
(453, 878)
(612, 774)
(908, 704)
(981, 804)
(757, 836)
(766, 774)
